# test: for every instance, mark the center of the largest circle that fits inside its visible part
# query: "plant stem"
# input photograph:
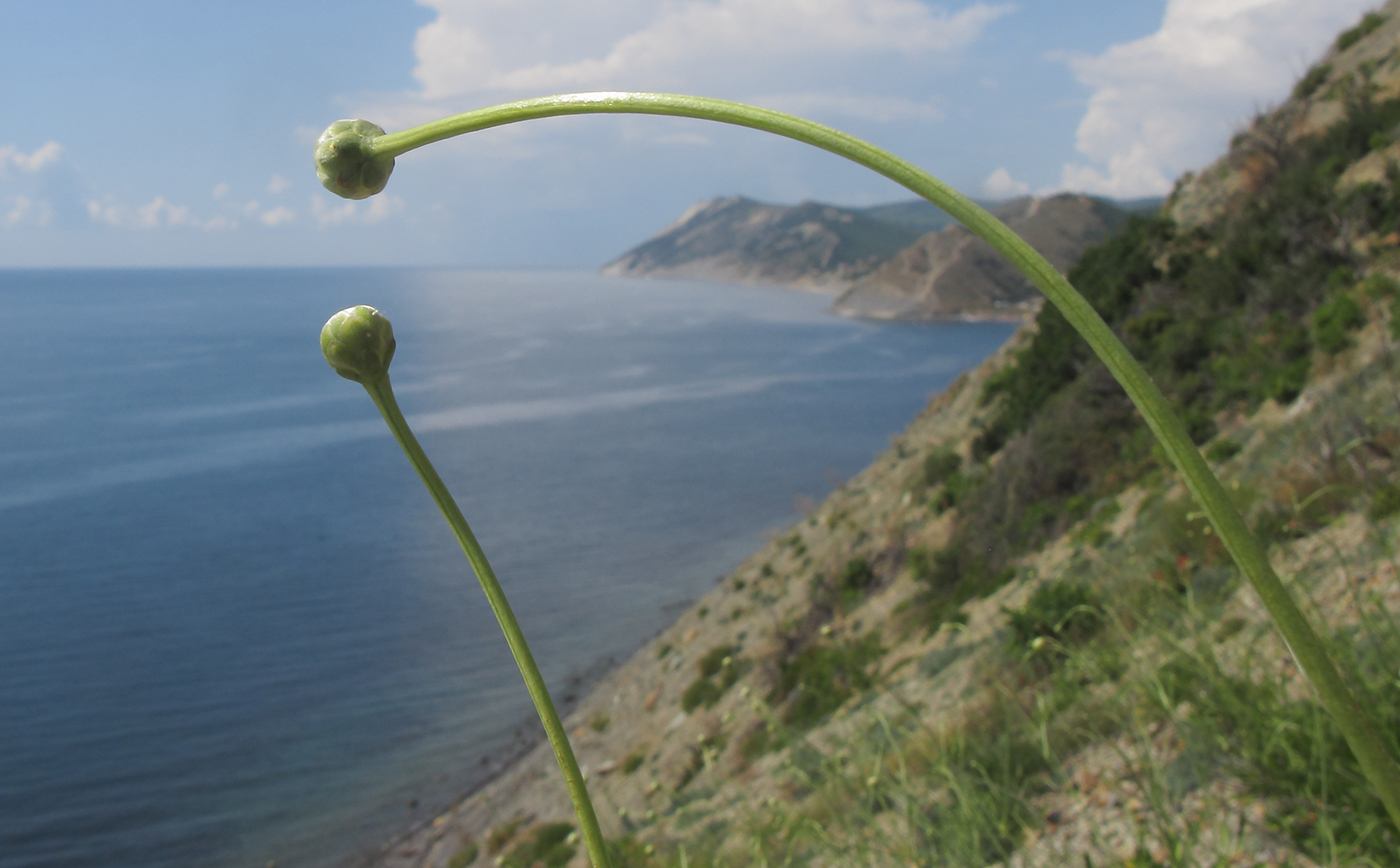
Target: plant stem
(1304, 643)
(383, 395)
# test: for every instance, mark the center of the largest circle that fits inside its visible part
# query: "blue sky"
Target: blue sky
(176, 133)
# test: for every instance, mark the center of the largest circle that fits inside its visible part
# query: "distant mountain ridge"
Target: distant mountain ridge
(901, 260)
(953, 274)
(808, 246)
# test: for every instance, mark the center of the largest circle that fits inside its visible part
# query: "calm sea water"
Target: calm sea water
(233, 628)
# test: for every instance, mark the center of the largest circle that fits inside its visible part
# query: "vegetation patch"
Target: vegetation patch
(820, 678)
(719, 669)
(549, 845)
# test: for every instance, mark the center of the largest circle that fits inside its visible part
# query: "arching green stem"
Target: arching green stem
(1307, 648)
(383, 395)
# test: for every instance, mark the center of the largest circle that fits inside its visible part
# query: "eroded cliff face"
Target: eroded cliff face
(809, 246)
(952, 274)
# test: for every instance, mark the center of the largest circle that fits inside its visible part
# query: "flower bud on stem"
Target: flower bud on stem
(1371, 753)
(359, 343)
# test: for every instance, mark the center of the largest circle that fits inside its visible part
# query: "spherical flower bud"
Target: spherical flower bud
(346, 165)
(358, 343)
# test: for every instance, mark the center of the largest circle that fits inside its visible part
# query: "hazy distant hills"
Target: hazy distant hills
(954, 274)
(810, 246)
(903, 260)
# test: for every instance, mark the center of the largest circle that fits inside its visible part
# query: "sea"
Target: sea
(234, 631)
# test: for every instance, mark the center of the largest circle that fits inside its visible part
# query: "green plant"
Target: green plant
(1058, 615)
(1384, 503)
(1369, 24)
(721, 661)
(548, 846)
(358, 343)
(352, 156)
(633, 762)
(1222, 449)
(465, 856)
(856, 578)
(1333, 319)
(1309, 83)
(939, 465)
(823, 676)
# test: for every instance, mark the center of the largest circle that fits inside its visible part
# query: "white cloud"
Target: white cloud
(380, 208)
(220, 191)
(24, 210)
(44, 155)
(1169, 102)
(277, 184)
(474, 46)
(277, 216)
(157, 213)
(1000, 185)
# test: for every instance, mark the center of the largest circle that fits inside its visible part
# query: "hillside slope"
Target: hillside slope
(1013, 640)
(808, 246)
(953, 273)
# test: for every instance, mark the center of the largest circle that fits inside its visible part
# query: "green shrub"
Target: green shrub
(1368, 25)
(1334, 319)
(713, 660)
(1384, 503)
(1057, 615)
(955, 487)
(465, 856)
(1379, 286)
(702, 691)
(547, 846)
(633, 762)
(939, 465)
(721, 661)
(1309, 83)
(856, 578)
(823, 676)
(501, 835)
(1222, 449)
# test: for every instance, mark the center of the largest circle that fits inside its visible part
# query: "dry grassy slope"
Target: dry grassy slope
(872, 515)
(1098, 809)
(1098, 805)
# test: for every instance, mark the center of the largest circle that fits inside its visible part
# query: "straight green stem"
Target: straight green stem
(383, 395)
(1371, 752)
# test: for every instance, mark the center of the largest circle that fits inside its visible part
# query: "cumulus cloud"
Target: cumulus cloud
(1000, 185)
(379, 208)
(474, 46)
(1170, 101)
(26, 211)
(158, 213)
(277, 184)
(46, 154)
(277, 216)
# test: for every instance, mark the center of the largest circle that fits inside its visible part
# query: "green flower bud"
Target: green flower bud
(358, 343)
(345, 164)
